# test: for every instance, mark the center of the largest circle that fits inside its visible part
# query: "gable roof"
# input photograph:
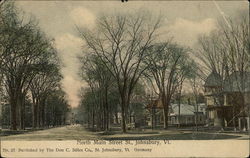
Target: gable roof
(213, 80)
(186, 109)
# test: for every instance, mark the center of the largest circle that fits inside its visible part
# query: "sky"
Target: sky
(183, 20)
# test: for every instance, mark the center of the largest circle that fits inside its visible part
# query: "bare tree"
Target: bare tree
(212, 55)
(120, 41)
(226, 52)
(168, 66)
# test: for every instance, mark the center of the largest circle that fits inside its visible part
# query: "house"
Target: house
(118, 118)
(179, 115)
(188, 115)
(214, 99)
(228, 100)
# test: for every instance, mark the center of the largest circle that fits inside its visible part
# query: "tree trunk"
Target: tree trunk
(21, 103)
(34, 121)
(93, 119)
(104, 120)
(43, 116)
(34, 113)
(153, 122)
(116, 117)
(88, 120)
(18, 112)
(54, 117)
(165, 111)
(38, 114)
(24, 116)
(123, 115)
(13, 114)
(42, 112)
(22, 112)
(106, 109)
(165, 118)
(108, 117)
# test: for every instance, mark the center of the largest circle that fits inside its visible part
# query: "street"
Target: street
(78, 132)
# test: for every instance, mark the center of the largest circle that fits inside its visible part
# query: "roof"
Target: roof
(185, 109)
(237, 82)
(213, 80)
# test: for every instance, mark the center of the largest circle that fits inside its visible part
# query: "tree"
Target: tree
(137, 105)
(168, 66)
(87, 108)
(226, 52)
(42, 85)
(212, 56)
(196, 89)
(120, 41)
(24, 53)
(99, 80)
(56, 108)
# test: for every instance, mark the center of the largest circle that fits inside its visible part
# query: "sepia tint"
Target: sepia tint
(124, 78)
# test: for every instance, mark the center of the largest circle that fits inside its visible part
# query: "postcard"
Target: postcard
(124, 78)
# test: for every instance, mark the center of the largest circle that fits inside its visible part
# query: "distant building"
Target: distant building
(132, 121)
(228, 100)
(155, 113)
(189, 115)
(118, 120)
(183, 115)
